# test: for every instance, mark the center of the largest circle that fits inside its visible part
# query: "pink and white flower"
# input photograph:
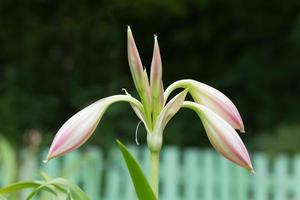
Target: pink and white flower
(222, 136)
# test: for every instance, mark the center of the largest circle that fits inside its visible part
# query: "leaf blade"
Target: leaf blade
(19, 186)
(141, 185)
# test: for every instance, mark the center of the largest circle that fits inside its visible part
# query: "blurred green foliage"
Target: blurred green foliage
(8, 166)
(49, 188)
(284, 138)
(58, 56)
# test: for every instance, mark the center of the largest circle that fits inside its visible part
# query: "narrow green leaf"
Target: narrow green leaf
(76, 192)
(141, 185)
(45, 186)
(20, 186)
(58, 187)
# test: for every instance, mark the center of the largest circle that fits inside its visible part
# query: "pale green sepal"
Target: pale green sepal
(155, 138)
(170, 109)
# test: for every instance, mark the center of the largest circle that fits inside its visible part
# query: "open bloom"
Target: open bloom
(218, 114)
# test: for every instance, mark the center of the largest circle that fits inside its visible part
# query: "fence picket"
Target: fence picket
(191, 174)
(260, 181)
(242, 184)
(201, 174)
(72, 164)
(52, 167)
(296, 178)
(92, 170)
(113, 175)
(169, 174)
(209, 173)
(224, 179)
(281, 177)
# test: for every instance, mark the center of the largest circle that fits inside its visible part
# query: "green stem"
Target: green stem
(154, 173)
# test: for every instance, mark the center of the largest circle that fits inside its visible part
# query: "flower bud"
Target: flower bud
(219, 103)
(79, 128)
(222, 136)
(211, 98)
(135, 63)
(156, 80)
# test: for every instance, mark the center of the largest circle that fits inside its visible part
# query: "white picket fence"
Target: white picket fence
(189, 174)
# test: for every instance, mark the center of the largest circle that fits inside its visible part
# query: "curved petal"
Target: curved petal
(78, 129)
(154, 139)
(211, 98)
(170, 109)
(222, 136)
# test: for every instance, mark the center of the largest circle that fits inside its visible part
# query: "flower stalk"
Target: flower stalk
(154, 172)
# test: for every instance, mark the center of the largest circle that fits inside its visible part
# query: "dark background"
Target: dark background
(58, 56)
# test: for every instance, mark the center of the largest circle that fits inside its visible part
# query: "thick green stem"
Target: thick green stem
(154, 173)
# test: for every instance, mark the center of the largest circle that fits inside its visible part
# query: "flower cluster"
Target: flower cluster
(218, 114)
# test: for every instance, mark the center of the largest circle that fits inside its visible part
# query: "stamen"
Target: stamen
(125, 91)
(136, 133)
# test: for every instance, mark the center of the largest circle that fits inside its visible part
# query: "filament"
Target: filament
(136, 133)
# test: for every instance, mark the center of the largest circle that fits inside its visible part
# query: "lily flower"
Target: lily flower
(222, 136)
(79, 128)
(218, 114)
(211, 98)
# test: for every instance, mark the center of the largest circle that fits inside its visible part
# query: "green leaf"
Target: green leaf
(20, 186)
(75, 191)
(141, 185)
(40, 188)
(58, 187)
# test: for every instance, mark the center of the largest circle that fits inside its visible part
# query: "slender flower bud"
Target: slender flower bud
(156, 79)
(219, 103)
(213, 99)
(139, 75)
(222, 136)
(135, 63)
(79, 128)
